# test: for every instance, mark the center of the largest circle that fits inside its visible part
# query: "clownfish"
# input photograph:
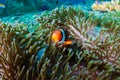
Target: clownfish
(60, 36)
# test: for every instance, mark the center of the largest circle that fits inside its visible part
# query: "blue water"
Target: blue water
(2, 1)
(73, 1)
(24, 6)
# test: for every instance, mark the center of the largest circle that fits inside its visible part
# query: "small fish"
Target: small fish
(2, 5)
(41, 53)
(60, 36)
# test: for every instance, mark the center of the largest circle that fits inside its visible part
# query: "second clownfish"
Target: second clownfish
(60, 36)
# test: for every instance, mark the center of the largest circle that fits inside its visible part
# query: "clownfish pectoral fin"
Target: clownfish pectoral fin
(68, 42)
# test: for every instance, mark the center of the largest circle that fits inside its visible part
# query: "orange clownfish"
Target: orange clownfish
(60, 36)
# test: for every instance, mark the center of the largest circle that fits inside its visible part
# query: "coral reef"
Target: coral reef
(94, 55)
(107, 6)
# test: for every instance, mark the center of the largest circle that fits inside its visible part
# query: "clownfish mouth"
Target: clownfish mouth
(59, 36)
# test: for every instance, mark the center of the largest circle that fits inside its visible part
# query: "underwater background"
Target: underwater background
(59, 39)
(22, 10)
(16, 8)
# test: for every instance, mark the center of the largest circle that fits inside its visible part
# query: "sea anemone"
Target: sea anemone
(94, 54)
